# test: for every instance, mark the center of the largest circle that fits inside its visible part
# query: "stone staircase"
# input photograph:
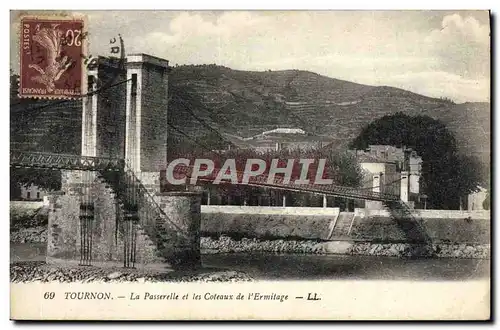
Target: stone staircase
(139, 218)
(131, 238)
(343, 225)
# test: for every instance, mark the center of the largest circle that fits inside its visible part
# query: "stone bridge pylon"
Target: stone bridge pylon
(119, 217)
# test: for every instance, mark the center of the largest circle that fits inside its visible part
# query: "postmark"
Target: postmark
(114, 61)
(51, 65)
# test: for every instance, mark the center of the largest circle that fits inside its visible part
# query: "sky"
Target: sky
(434, 53)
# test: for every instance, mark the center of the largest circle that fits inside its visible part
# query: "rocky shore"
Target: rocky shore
(441, 250)
(444, 250)
(225, 244)
(39, 271)
(36, 234)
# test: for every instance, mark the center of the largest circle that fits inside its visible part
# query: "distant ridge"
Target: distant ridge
(248, 103)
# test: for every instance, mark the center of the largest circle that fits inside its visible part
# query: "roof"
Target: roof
(145, 58)
(292, 138)
(284, 131)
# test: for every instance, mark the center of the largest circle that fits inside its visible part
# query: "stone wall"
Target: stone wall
(181, 227)
(442, 214)
(154, 110)
(384, 229)
(63, 226)
(107, 238)
(270, 222)
(441, 225)
(156, 240)
(316, 223)
(108, 235)
(269, 210)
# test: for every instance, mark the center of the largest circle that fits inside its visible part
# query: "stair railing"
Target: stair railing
(140, 208)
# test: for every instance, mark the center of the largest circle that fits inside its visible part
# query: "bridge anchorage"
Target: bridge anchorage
(111, 210)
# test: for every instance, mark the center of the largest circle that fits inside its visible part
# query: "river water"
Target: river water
(265, 266)
(296, 267)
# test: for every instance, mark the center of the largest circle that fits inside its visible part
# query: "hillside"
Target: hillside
(245, 103)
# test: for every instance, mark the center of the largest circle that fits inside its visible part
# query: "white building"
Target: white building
(475, 200)
(379, 176)
(391, 170)
(280, 139)
(32, 192)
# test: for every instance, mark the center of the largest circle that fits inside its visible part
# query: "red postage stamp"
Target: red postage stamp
(51, 58)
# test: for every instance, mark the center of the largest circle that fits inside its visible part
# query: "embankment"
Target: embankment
(458, 234)
(225, 229)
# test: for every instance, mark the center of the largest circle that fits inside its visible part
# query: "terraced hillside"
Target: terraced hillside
(244, 103)
(50, 126)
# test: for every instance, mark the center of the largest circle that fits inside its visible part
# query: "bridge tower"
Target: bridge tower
(120, 216)
(146, 117)
(103, 115)
(129, 121)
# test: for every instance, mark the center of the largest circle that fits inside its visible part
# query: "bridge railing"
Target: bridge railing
(30, 159)
(262, 180)
(139, 203)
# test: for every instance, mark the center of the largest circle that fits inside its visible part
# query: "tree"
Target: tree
(47, 179)
(446, 175)
(15, 189)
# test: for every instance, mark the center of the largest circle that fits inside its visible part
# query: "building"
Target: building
(280, 139)
(476, 199)
(380, 175)
(391, 170)
(32, 193)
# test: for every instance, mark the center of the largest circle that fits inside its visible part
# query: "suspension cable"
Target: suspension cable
(67, 100)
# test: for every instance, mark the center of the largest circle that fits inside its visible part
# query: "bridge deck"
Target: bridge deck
(76, 162)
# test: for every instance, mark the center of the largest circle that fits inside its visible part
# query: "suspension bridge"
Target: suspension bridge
(121, 175)
(43, 160)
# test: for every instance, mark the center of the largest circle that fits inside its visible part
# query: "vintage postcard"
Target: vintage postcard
(250, 165)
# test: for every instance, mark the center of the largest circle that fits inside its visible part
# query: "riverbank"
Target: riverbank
(226, 244)
(37, 234)
(31, 271)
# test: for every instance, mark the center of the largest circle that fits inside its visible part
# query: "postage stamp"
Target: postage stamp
(51, 62)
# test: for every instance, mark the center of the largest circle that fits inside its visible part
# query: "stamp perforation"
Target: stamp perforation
(43, 85)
